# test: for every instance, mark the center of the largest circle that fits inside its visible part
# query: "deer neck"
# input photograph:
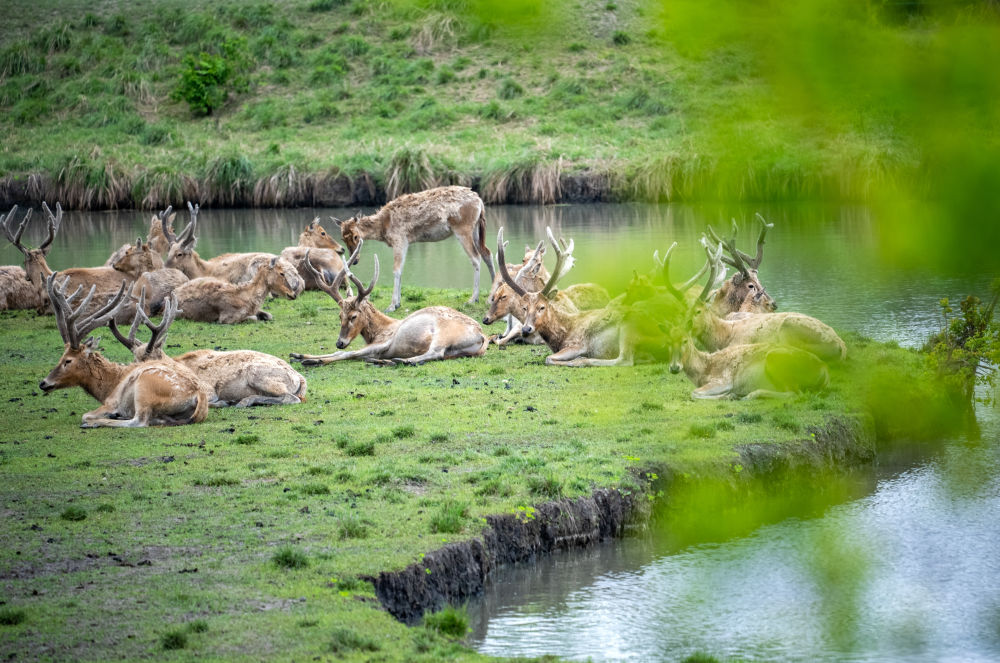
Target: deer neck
(101, 376)
(555, 328)
(374, 226)
(377, 324)
(713, 331)
(259, 286)
(695, 363)
(201, 267)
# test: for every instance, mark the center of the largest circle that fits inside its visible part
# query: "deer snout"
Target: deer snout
(341, 343)
(527, 330)
(675, 368)
(487, 320)
(46, 386)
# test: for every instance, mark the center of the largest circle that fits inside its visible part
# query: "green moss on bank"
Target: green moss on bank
(201, 522)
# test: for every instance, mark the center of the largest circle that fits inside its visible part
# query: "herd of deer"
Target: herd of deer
(727, 339)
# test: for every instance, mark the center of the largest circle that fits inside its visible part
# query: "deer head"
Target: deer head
(181, 254)
(355, 312)
(501, 297)
(138, 259)
(350, 230)
(743, 291)
(677, 327)
(283, 279)
(535, 305)
(76, 366)
(315, 236)
(35, 267)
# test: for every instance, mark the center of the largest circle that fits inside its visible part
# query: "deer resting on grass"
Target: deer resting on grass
(325, 255)
(16, 289)
(743, 292)
(209, 299)
(427, 216)
(153, 393)
(241, 378)
(435, 332)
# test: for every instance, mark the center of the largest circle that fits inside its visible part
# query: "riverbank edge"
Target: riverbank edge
(456, 572)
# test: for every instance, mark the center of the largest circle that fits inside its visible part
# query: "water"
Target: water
(823, 260)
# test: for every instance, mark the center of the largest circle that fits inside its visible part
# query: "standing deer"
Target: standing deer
(153, 393)
(209, 299)
(16, 289)
(242, 378)
(427, 216)
(435, 332)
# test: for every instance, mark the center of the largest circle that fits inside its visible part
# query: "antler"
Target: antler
(332, 289)
(362, 290)
(130, 342)
(159, 332)
(534, 260)
(168, 233)
(502, 268)
(755, 261)
(187, 236)
(735, 258)
(70, 328)
(564, 260)
(14, 237)
(712, 263)
(54, 222)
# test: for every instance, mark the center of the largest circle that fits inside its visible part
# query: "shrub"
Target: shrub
(73, 513)
(451, 621)
(202, 82)
(290, 558)
(450, 517)
(509, 89)
(174, 640)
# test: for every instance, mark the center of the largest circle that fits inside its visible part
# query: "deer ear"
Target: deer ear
(274, 261)
(92, 343)
(336, 220)
(737, 278)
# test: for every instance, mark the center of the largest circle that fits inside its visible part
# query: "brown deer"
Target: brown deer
(530, 274)
(743, 292)
(156, 238)
(325, 255)
(106, 279)
(241, 378)
(569, 332)
(435, 332)
(209, 299)
(16, 290)
(427, 216)
(316, 237)
(153, 393)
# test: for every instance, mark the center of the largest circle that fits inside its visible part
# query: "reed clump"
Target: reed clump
(531, 179)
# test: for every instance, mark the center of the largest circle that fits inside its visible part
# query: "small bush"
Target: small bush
(172, 640)
(452, 622)
(509, 89)
(290, 558)
(620, 38)
(12, 616)
(252, 438)
(703, 431)
(450, 517)
(360, 448)
(345, 640)
(352, 527)
(545, 486)
(403, 432)
(202, 82)
(73, 513)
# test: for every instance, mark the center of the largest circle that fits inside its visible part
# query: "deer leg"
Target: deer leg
(94, 419)
(768, 393)
(398, 260)
(287, 399)
(431, 355)
(372, 351)
(712, 391)
(566, 354)
(469, 244)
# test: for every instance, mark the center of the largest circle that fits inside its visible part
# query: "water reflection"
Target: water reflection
(820, 259)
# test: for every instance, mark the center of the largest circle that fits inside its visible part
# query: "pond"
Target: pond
(820, 259)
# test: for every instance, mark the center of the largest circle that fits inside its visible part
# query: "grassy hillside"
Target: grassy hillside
(412, 92)
(249, 534)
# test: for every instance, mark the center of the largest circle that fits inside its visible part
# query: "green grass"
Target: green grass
(415, 94)
(247, 536)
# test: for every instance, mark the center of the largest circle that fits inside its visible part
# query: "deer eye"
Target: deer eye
(751, 286)
(541, 308)
(67, 362)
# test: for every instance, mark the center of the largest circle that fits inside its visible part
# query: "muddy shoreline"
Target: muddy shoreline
(458, 571)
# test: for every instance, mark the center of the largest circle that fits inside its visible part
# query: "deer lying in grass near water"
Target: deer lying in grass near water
(16, 290)
(241, 378)
(106, 280)
(152, 393)
(569, 332)
(427, 216)
(743, 292)
(325, 255)
(209, 299)
(435, 332)
(160, 228)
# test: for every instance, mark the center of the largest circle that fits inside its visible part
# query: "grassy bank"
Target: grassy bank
(282, 99)
(248, 535)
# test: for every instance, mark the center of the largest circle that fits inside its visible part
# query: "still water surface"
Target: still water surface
(922, 543)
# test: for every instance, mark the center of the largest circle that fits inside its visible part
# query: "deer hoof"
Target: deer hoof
(311, 362)
(297, 356)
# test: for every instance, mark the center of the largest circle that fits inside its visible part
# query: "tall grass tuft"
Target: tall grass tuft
(668, 177)
(451, 621)
(19, 58)
(436, 32)
(162, 186)
(529, 180)
(228, 180)
(285, 187)
(92, 184)
(409, 170)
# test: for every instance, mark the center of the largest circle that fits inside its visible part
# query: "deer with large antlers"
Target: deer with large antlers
(241, 378)
(427, 216)
(569, 332)
(153, 393)
(160, 228)
(210, 299)
(106, 280)
(16, 289)
(432, 333)
(743, 292)
(325, 254)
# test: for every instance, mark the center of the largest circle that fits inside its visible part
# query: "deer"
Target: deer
(531, 273)
(427, 216)
(240, 378)
(140, 262)
(428, 334)
(152, 393)
(315, 237)
(209, 299)
(743, 292)
(232, 267)
(106, 280)
(325, 255)
(160, 228)
(569, 332)
(16, 290)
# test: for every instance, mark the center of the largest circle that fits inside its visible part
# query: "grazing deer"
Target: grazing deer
(209, 299)
(743, 292)
(153, 393)
(242, 378)
(427, 216)
(107, 280)
(435, 332)
(16, 290)
(569, 332)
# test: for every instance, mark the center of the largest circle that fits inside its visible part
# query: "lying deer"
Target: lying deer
(106, 280)
(569, 332)
(157, 238)
(241, 378)
(209, 299)
(743, 292)
(427, 216)
(435, 332)
(153, 393)
(16, 289)
(316, 237)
